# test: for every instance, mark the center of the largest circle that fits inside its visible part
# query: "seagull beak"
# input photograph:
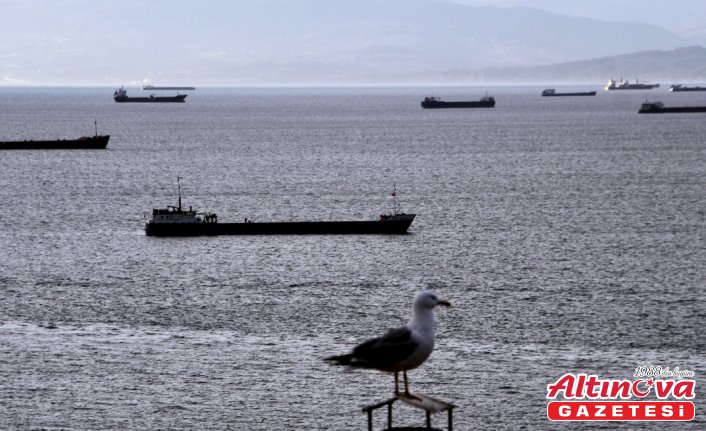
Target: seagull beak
(444, 303)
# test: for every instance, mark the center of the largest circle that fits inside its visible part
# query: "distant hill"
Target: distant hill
(293, 42)
(683, 64)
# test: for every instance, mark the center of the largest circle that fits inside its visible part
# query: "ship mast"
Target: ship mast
(395, 203)
(95, 123)
(179, 188)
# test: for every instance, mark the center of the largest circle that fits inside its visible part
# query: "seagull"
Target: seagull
(400, 349)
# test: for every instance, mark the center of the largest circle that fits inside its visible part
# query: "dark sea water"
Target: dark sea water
(569, 234)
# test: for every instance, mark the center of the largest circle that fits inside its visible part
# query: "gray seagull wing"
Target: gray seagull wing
(386, 351)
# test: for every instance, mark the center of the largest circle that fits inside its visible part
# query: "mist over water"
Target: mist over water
(568, 233)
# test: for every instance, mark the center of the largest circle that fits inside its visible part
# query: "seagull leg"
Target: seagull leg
(397, 383)
(406, 387)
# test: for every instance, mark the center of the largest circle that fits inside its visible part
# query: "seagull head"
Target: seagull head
(426, 299)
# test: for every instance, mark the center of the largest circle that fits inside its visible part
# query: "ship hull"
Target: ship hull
(386, 227)
(634, 87)
(587, 93)
(152, 99)
(87, 143)
(442, 105)
(677, 90)
(674, 109)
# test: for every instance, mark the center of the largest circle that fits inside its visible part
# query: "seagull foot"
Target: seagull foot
(408, 395)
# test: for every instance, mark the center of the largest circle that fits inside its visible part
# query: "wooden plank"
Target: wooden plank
(425, 402)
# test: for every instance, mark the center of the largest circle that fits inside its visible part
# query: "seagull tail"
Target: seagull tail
(339, 360)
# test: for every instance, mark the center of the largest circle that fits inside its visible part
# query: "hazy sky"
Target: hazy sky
(282, 41)
(674, 15)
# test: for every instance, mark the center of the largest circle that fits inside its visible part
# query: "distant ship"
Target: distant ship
(83, 143)
(95, 142)
(659, 108)
(679, 87)
(152, 87)
(177, 221)
(626, 85)
(552, 92)
(433, 103)
(121, 96)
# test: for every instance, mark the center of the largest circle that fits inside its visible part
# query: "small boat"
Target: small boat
(434, 102)
(95, 142)
(626, 85)
(552, 92)
(679, 87)
(659, 108)
(177, 221)
(120, 96)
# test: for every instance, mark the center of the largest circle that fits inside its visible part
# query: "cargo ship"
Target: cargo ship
(434, 103)
(626, 85)
(120, 96)
(95, 142)
(679, 87)
(550, 92)
(659, 108)
(178, 221)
